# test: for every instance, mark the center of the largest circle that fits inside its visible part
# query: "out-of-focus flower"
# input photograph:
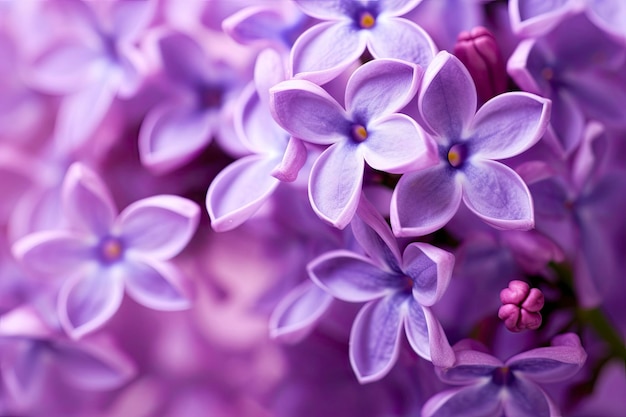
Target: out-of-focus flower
(101, 253)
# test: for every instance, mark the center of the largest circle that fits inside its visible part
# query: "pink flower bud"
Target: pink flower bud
(521, 306)
(479, 52)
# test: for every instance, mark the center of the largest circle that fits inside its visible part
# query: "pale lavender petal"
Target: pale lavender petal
(399, 38)
(326, 9)
(352, 277)
(430, 268)
(558, 362)
(254, 23)
(375, 237)
(395, 144)
(92, 364)
(156, 285)
(159, 226)
(308, 112)
(23, 369)
(183, 58)
(82, 112)
(536, 17)
(525, 399)
(129, 19)
(324, 51)
(239, 190)
(297, 313)
(294, 158)
(87, 201)
(381, 87)
(481, 400)
(335, 183)
(375, 338)
(567, 122)
(425, 201)
(495, 193)
(509, 124)
(397, 7)
(447, 98)
(57, 253)
(269, 70)
(426, 336)
(64, 67)
(172, 135)
(87, 302)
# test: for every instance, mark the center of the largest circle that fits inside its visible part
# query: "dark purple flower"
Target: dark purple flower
(102, 253)
(368, 130)
(325, 50)
(493, 388)
(468, 142)
(399, 291)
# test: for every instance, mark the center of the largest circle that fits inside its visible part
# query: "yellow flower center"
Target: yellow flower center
(111, 250)
(359, 133)
(367, 20)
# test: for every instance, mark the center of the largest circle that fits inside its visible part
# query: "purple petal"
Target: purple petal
(495, 193)
(425, 201)
(297, 313)
(54, 253)
(87, 201)
(131, 18)
(335, 183)
(477, 400)
(381, 87)
(509, 124)
(430, 268)
(87, 302)
(558, 362)
(239, 190)
(375, 338)
(82, 112)
(536, 17)
(294, 158)
(470, 366)
(158, 227)
(156, 285)
(375, 237)
(351, 277)
(397, 7)
(183, 59)
(308, 112)
(254, 124)
(327, 49)
(269, 70)
(172, 135)
(254, 23)
(447, 99)
(326, 9)
(92, 364)
(399, 38)
(567, 122)
(426, 336)
(395, 144)
(23, 369)
(525, 399)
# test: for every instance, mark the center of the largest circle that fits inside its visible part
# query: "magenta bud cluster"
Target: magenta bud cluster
(521, 306)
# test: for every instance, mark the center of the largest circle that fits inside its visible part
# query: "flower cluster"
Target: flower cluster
(312, 208)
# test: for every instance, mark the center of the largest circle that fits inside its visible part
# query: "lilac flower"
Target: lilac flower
(368, 130)
(399, 291)
(176, 131)
(325, 50)
(101, 253)
(521, 306)
(240, 189)
(584, 82)
(493, 388)
(506, 125)
(537, 17)
(31, 350)
(99, 63)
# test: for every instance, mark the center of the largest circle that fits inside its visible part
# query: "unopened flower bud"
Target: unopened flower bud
(479, 52)
(521, 306)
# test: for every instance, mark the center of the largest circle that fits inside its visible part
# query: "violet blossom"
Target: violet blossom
(468, 142)
(368, 130)
(102, 253)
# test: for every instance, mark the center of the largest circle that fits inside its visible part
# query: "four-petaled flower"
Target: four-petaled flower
(468, 142)
(493, 387)
(399, 291)
(368, 130)
(101, 253)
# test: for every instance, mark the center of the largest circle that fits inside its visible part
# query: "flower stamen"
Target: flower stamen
(367, 20)
(359, 133)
